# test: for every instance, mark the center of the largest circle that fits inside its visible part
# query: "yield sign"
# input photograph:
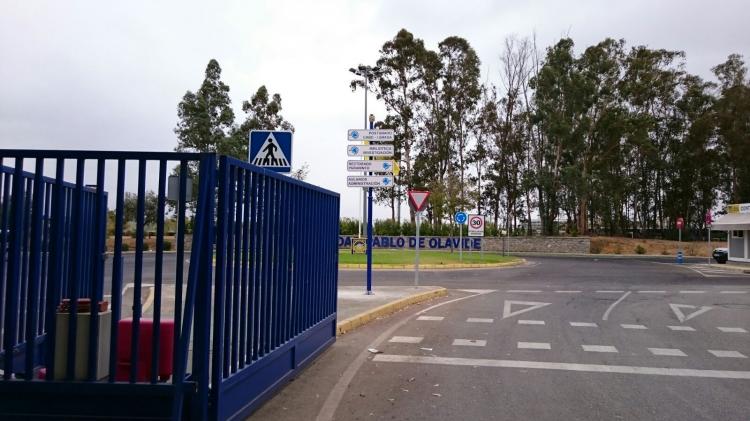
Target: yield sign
(418, 199)
(682, 317)
(531, 305)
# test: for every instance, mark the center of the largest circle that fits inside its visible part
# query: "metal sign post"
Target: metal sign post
(418, 202)
(709, 221)
(416, 254)
(680, 223)
(460, 218)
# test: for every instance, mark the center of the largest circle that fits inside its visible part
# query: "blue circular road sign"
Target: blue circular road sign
(460, 217)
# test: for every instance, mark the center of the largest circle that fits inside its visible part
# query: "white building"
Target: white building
(737, 223)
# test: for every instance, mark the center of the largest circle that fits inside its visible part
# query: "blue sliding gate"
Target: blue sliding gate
(207, 329)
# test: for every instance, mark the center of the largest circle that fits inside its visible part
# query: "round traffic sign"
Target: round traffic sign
(460, 217)
(476, 222)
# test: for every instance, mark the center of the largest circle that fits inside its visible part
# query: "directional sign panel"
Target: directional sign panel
(369, 181)
(369, 150)
(271, 150)
(377, 135)
(476, 225)
(385, 166)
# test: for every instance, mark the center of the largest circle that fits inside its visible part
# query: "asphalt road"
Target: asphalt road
(556, 339)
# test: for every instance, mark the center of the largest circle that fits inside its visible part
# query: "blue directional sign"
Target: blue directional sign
(271, 150)
(460, 217)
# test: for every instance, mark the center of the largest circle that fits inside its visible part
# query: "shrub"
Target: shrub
(639, 249)
(125, 247)
(618, 249)
(664, 252)
(145, 246)
(167, 245)
(596, 247)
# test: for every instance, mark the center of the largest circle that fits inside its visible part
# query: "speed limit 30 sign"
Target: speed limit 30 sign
(476, 225)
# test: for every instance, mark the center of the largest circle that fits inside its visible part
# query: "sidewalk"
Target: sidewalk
(355, 308)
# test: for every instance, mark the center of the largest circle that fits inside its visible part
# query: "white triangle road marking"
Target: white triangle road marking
(532, 305)
(270, 154)
(676, 308)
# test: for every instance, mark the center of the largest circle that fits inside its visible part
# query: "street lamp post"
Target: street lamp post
(367, 72)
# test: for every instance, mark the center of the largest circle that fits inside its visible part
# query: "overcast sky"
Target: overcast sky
(109, 75)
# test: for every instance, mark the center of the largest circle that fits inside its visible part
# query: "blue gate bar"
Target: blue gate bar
(116, 290)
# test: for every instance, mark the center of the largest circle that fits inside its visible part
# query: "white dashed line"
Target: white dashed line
(533, 345)
(431, 318)
(525, 291)
(733, 292)
(652, 292)
(627, 326)
(599, 348)
(569, 291)
(406, 339)
(542, 365)
(531, 322)
(479, 320)
(583, 324)
(667, 352)
(469, 342)
(609, 292)
(732, 329)
(726, 354)
(692, 292)
(682, 328)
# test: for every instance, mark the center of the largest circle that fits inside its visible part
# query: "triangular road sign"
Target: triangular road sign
(270, 154)
(676, 308)
(532, 305)
(418, 199)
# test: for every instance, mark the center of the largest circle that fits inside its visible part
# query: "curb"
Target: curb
(361, 319)
(434, 266)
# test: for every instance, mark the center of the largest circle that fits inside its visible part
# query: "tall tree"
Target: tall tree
(262, 113)
(205, 117)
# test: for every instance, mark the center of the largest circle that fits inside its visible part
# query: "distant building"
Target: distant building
(737, 224)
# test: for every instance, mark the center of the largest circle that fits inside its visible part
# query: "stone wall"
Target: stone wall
(573, 245)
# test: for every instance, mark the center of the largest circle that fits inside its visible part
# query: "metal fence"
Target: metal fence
(258, 284)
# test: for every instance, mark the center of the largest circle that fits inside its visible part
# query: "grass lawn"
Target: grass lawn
(406, 257)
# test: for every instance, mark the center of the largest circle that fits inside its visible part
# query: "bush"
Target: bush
(386, 227)
(348, 226)
(664, 252)
(596, 247)
(167, 245)
(639, 249)
(618, 249)
(145, 246)
(125, 247)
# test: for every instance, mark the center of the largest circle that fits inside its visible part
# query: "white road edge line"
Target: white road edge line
(431, 318)
(583, 324)
(732, 329)
(606, 313)
(541, 365)
(627, 326)
(652, 292)
(469, 342)
(733, 292)
(569, 291)
(682, 328)
(604, 291)
(525, 291)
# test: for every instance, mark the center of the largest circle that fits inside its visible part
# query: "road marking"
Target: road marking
(569, 291)
(541, 365)
(533, 345)
(733, 292)
(149, 300)
(431, 318)
(406, 339)
(479, 291)
(531, 322)
(682, 328)
(609, 292)
(339, 389)
(525, 291)
(627, 326)
(469, 342)
(652, 292)
(732, 329)
(599, 348)
(676, 308)
(533, 305)
(726, 354)
(692, 292)
(583, 324)
(606, 313)
(479, 320)
(667, 352)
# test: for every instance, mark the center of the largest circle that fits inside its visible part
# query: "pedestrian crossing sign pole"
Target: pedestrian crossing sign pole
(271, 150)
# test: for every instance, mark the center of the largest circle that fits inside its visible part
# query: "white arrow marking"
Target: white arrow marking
(532, 306)
(682, 317)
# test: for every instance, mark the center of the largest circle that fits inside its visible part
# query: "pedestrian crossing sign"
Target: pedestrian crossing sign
(271, 150)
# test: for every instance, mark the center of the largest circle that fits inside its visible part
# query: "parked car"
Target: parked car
(720, 254)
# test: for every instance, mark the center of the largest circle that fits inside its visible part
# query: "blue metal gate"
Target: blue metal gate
(256, 301)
